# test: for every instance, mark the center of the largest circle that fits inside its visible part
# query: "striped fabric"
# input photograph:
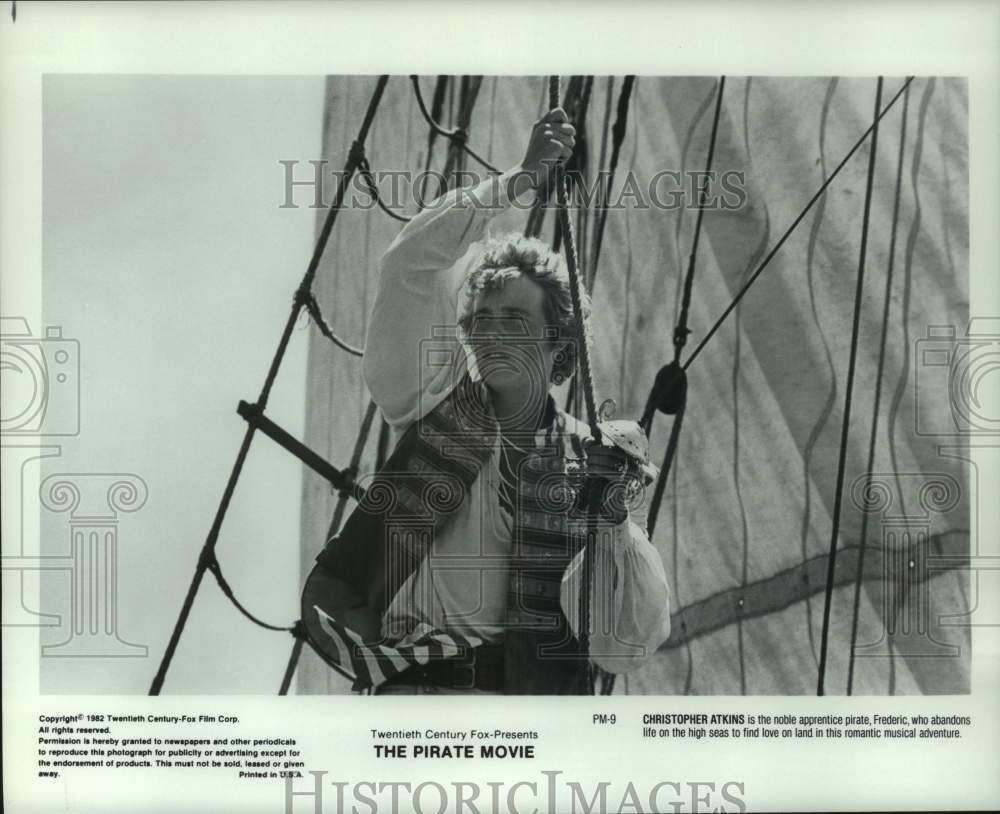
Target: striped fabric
(373, 664)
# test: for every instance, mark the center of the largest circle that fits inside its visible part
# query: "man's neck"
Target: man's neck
(514, 416)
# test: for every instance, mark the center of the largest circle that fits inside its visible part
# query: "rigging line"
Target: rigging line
(576, 102)
(352, 470)
(617, 138)
(584, 215)
(795, 223)
(681, 331)
(437, 107)
(911, 244)
(312, 308)
(819, 425)
(668, 458)
(608, 687)
(675, 574)
(382, 448)
(493, 115)
(354, 157)
(366, 174)
(583, 360)
(454, 164)
(663, 395)
(846, 425)
(458, 136)
(737, 368)
(946, 210)
(216, 569)
(299, 632)
(862, 543)
(602, 160)
(582, 353)
(679, 221)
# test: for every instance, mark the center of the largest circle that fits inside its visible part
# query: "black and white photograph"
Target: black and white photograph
(670, 392)
(754, 289)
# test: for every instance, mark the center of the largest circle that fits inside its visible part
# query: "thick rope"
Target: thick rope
(583, 360)
(454, 164)
(848, 395)
(355, 157)
(770, 255)
(579, 326)
(459, 136)
(862, 544)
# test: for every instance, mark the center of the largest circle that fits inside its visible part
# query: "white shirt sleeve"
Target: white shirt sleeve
(413, 357)
(630, 596)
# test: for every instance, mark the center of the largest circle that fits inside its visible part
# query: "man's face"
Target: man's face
(507, 337)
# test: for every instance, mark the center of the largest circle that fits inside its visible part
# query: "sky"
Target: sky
(168, 258)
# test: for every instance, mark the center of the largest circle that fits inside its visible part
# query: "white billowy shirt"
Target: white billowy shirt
(413, 359)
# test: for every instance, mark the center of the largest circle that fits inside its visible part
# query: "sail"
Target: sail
(746, 523)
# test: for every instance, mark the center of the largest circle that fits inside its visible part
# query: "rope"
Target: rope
(437, 107)
(583, 359)
(795, 223)
(681, 331)
(355, 157)
(878, 389)
(382, 449)
(580, 327)
(845, 428)
(366, 174)
(670, 387)
(669, 391)
(312, 307)
(459, 136)
(617, 138)
(668, 457)
(212, 564)
(352, 470)
(299, 632)
(454, 164)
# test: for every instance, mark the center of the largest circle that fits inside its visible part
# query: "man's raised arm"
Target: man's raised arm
(421, 275)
